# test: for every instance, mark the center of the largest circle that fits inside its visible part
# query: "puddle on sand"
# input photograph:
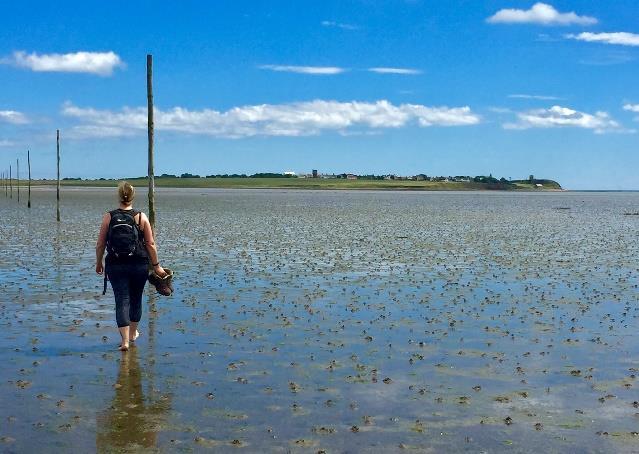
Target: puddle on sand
(335, 321)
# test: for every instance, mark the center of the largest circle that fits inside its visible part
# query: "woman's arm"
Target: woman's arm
(149, 241)
(101, 244)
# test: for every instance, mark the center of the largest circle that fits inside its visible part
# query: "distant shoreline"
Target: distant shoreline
(310, 184)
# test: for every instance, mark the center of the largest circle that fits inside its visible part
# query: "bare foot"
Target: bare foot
(135, 336)
(124, 347)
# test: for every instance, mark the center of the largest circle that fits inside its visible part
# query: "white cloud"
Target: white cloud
(540, 97)
(101, 131)
(6, 143)
(540, 13)
(314, 70)
(295, 119)
(13, 117)
(557, 116)
(333, 24)
(620, 38)
(632, 108)
(332, 70)
(100, 63)
(386, 70)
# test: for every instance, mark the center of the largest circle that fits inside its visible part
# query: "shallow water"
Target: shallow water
(338, 321)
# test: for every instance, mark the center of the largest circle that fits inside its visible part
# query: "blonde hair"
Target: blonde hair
(126, 192)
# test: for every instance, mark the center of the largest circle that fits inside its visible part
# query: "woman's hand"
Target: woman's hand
(159, 271)
(99, 268)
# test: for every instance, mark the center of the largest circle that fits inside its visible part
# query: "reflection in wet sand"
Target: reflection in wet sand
(131, 421)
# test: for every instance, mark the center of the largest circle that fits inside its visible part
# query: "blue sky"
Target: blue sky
(441, 87)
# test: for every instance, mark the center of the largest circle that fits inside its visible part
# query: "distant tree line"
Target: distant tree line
(230, 175)
(489, 181)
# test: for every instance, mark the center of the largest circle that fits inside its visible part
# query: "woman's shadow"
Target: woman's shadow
(131, 422)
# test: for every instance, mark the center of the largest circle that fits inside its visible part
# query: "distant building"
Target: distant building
(315, 175)
(539, 185)
(350, 176)
(290, 173)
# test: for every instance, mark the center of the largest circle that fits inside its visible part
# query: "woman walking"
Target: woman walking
(127, 236)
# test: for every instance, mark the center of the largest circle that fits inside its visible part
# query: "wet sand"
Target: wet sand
(328, 321)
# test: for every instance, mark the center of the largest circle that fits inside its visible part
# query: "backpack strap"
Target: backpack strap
(139, 224)
(109, 229)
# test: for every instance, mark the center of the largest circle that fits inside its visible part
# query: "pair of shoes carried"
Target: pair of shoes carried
(164, 285)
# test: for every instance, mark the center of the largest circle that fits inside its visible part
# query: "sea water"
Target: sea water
(336, 321)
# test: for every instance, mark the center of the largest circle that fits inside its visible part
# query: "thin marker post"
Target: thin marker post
(149, 96)
(58, 182)
(29, 167)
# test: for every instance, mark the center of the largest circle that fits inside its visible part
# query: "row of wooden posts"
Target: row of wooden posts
(7, 177)
(7, 180)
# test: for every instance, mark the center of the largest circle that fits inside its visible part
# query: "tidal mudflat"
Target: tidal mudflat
(329, 321)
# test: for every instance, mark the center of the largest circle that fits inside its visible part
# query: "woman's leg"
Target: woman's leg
(120, 284)
(124, 332)
(133, 331)
(136, 289)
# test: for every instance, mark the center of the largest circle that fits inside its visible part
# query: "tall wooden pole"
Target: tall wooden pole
(10, 184)
(29, 167)
(18, 178)
(58, 182)
(149, 96)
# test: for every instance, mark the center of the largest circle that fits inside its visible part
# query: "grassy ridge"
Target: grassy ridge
(309, 183)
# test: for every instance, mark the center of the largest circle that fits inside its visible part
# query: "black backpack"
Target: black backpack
(123, 237)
